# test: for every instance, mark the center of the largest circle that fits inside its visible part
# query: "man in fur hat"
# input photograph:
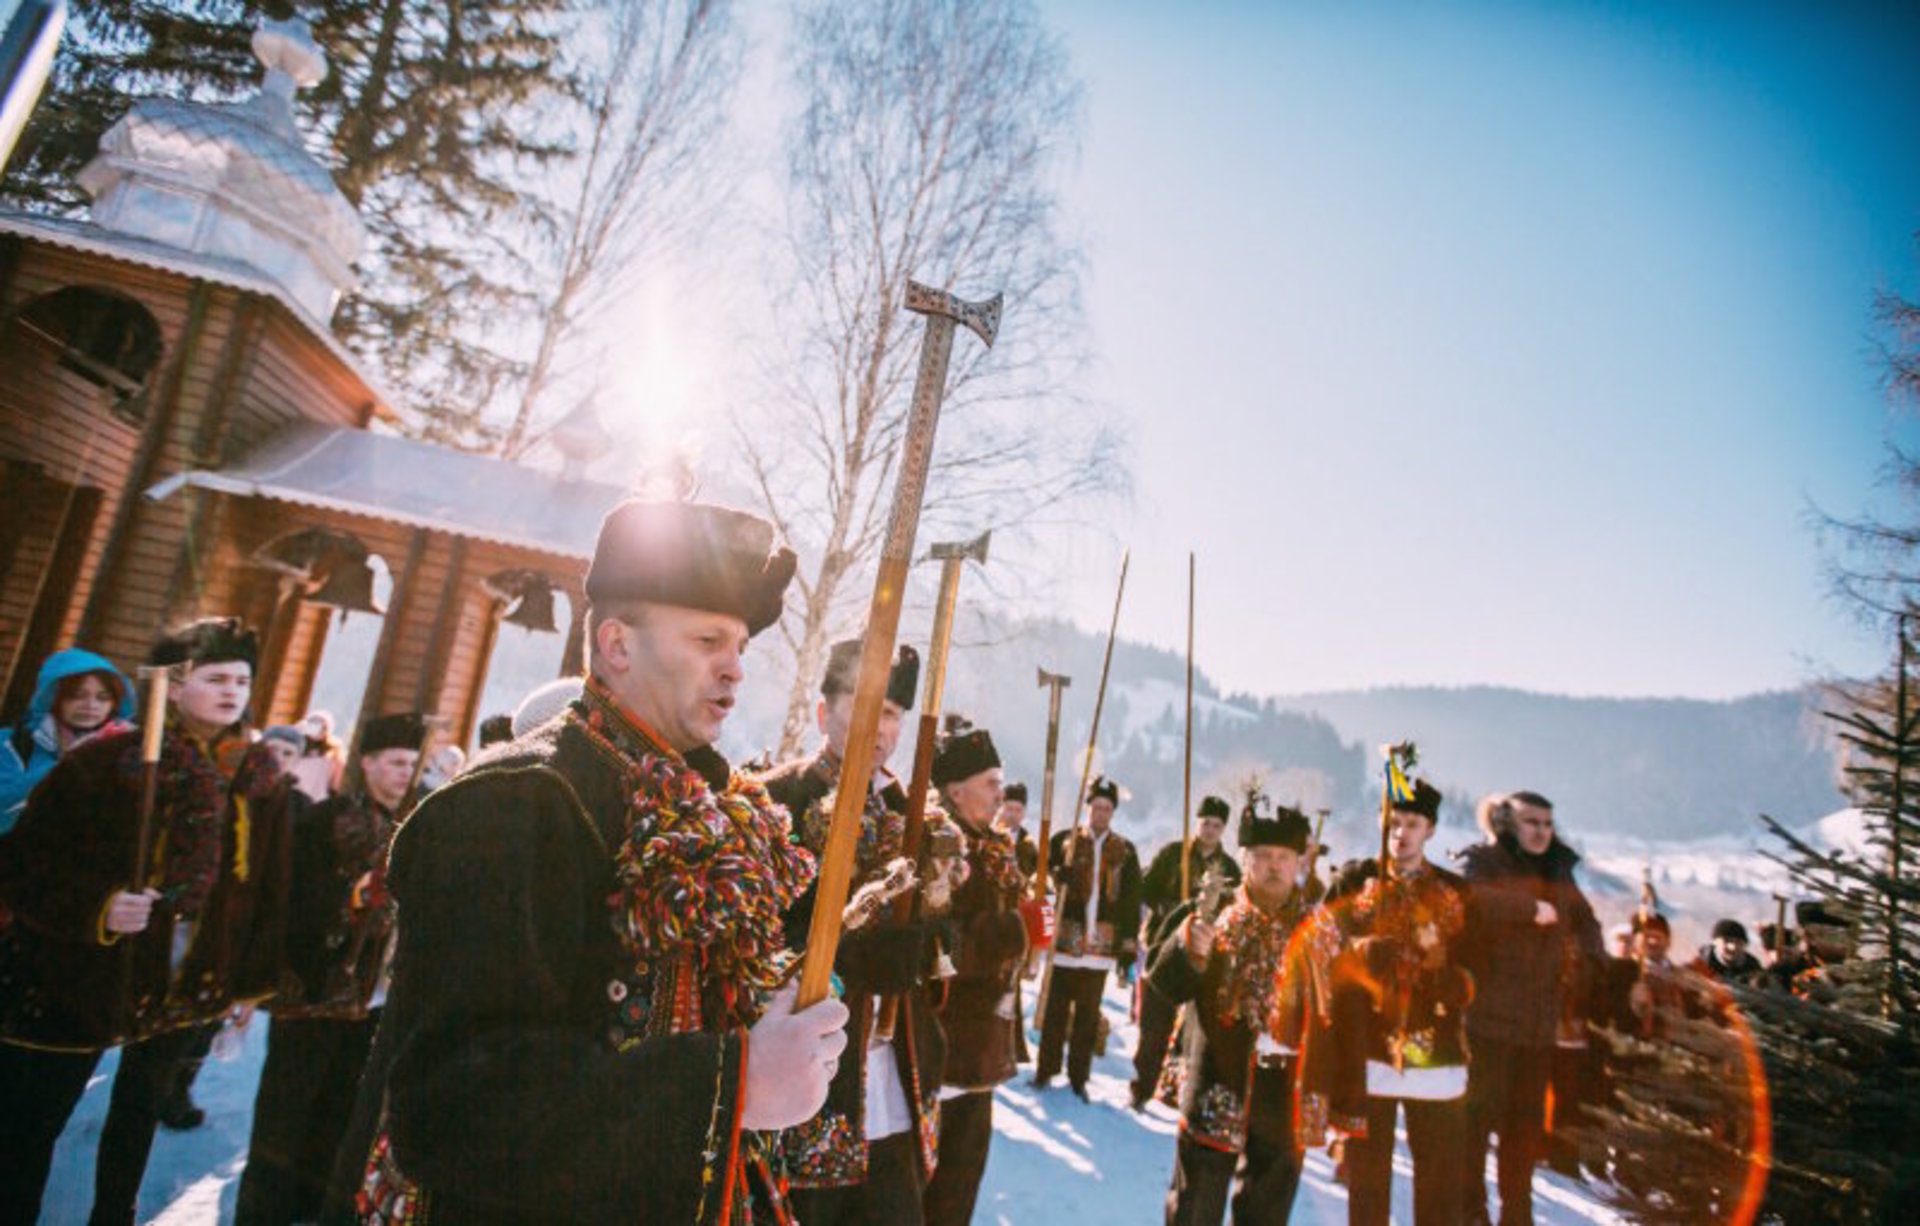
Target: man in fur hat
(1397, 997)
(867, 1156)
(1096, 933)
(1012, 822)
(99, 955)
(339, 924)
(1532, 945)
(979, 1010)
(1237, 1082)
(585, 1019)
(1160, 896)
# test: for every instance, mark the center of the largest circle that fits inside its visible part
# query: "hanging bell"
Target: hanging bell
(348, 587)
(534, 612)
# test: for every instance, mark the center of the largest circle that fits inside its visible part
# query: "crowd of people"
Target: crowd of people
(556, 981)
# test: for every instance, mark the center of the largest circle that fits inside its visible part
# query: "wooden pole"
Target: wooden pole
(913, 829)
(1186, 773)
(152, 734)
(1054, 683)
(883, 622)
(1099, 705)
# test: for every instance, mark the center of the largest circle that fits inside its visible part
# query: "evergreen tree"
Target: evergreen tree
(434, 119)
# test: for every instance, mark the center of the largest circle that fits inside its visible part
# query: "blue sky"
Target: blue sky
(1493, 342)
(1463, 342)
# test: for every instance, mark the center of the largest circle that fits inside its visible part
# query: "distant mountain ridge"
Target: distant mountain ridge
(1667, 768)
(1657, 768)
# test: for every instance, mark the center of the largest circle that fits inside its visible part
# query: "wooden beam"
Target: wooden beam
(237, 354)
(398, 603)
(446, 619)
(106, 584)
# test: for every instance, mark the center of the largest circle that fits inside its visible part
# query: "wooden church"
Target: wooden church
(182, 435)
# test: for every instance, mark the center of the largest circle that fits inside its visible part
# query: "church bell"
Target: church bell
(348, 587)
(534, 611)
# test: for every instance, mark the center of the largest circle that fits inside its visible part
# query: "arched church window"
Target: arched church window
(108, 340)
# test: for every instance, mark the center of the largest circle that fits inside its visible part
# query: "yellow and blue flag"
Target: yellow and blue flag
(1399, 791)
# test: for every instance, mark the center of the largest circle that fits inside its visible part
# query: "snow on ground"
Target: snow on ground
(1057, 1159)
(1054, 1158)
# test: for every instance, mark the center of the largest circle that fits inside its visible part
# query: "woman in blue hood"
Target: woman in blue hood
(78, 694)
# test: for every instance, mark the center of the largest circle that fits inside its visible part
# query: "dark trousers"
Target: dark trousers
(1437, 1134)
(40, 1089)
(890, 1195)
(306, 1095)
(1157, 1015)
(1258, 1183)
(966, 1130)
(180, 1096)
(1072, 1021)
(1576, 1090)
(1506, 1095)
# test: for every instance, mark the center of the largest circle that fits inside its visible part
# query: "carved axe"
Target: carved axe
(943, 311)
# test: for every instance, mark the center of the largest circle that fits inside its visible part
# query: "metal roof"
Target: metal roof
(418, 484)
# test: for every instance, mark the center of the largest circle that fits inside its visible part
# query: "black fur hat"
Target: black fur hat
(403, 730)
(1017, 793)
(843, 672)
(1103, 788)
(1286, 828)
(210, 640)
(1214, 806)
(691, 554)
(964, 756)
(1425, 802)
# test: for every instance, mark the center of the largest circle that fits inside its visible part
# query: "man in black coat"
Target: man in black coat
(99, 956)
(339, 925)
(1159, 896)
(868, 1154)
(583, 1021)
(1237, 1082)
(979, 1009)
(1531, 944)
(1096, 932)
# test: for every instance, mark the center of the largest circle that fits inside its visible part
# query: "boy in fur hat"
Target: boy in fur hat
(1385, 954)
(1097, 933)
(97, 959)
(339, 925)
(979, 1008)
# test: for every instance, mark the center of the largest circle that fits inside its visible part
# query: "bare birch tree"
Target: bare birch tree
(656, 78)
(926, 146)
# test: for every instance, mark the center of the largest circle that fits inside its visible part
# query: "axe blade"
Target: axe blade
(962, 550)
(982, 318)
(1047, 678)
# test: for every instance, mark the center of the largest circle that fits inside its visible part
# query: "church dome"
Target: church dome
(234, 180)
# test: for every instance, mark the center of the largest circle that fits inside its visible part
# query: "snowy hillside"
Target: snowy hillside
(1054, 1158)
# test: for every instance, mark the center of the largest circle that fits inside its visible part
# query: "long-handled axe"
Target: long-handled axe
(943, 311)
(952, 557)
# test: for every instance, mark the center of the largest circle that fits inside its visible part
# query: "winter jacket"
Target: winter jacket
(1520, 968)
(219, 861)
(29, 749)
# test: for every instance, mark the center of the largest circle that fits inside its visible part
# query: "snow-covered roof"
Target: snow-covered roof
(418, 484)
(235, 180)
